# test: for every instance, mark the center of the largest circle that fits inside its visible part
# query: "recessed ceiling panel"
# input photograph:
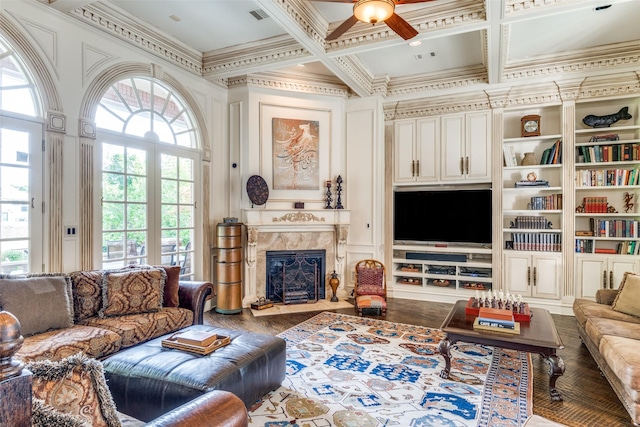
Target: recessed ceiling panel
(204, 24)
(575, 29)
(433, 55)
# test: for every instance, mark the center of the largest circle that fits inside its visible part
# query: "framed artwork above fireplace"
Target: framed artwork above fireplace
(295, 151)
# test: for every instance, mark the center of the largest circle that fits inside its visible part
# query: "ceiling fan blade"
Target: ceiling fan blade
(342, 28)
(400, 26)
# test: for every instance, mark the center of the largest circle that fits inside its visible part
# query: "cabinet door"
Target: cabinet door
(452, 157)
(427, 150)
(517, 272)
(546, 276)
(404, 151)
(617, 267)
(477, 160)
(591, 275)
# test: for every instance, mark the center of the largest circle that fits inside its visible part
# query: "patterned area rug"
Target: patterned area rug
(349, 371)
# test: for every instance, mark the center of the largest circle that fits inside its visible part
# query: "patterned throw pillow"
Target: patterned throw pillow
(628, 298)
(132, 291)
(43, 415)
(76, 386)
(87, 293)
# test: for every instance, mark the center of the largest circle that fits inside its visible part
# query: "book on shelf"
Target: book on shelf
(536, 183)
(604, 137)
(604, 251)
(515, 330)
(546, 242)
(609, 152)
(549, 202)
(531, 222)
(509, 156)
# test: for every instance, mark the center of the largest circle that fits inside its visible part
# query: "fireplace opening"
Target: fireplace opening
(295, 277)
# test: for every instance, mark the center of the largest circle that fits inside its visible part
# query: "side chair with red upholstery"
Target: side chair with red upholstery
(370, 288)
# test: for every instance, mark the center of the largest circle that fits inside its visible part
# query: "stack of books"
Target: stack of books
(496, 320)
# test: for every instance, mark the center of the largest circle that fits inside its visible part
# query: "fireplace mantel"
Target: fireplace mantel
(292, 222)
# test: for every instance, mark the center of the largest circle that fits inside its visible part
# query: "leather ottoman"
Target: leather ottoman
(148, 380)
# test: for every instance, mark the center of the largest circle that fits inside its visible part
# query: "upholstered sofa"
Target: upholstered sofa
(100, 312)
(610, 328)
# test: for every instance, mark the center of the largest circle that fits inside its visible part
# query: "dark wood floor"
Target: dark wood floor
(588, 398)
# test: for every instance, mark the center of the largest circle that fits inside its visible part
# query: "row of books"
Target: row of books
(587, 246)
(614, 227)
(544, 242)
(607, 177)
(545, 203)
(595, 204)
(552, 155)
(609, 153)
(530, 222)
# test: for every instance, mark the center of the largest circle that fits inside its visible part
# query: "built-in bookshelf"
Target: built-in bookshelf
(442, 270)
(532, 204)
(607, 187)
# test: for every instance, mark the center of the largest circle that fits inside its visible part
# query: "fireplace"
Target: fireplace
(293, 231)
(295, 277)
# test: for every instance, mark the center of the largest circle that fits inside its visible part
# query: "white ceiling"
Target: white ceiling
(465, 43)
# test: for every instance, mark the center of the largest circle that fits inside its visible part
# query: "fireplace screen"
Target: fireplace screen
(295, 277)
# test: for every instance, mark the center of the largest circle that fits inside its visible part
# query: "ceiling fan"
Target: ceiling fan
(374, 11)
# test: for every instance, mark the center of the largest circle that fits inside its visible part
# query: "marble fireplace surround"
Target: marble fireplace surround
(270, 229)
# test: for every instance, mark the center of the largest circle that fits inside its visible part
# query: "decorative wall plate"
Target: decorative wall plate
(257, 190)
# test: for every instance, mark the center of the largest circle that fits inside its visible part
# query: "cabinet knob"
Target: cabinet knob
(604, 279)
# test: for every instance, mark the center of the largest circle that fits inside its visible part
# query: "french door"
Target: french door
(21, 202)
(148, 204)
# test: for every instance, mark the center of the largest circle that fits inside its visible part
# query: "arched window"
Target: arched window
(21, 165)
(148, 155)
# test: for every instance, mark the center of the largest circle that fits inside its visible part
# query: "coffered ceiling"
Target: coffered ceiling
(465, 44)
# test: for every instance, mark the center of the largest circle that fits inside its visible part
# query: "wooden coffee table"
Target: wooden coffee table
(537, 336)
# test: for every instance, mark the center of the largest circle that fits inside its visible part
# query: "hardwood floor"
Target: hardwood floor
(588, 398)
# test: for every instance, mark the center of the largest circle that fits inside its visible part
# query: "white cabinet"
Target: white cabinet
(416, 150)
(601, 272)
(532, 275)
(451, 148)
(466, 147)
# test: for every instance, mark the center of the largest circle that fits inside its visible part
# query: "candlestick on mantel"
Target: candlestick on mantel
(328, 205)
(339, 193)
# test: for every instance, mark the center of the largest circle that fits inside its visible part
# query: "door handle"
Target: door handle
(417, 168)
(467, 162)
(611, 279)
(413, 168)
(534, 276)
(461, 165)
(528, 276)
(604, 279)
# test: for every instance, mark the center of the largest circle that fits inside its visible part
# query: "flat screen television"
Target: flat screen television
(442, 216)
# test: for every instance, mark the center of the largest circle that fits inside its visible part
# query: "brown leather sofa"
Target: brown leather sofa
(613, 339)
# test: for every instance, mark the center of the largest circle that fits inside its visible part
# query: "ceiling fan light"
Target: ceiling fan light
(373, 11)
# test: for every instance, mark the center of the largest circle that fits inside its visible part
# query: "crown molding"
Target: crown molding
(113, 21)
(430, 82)
(610, 85)
(250, 57)
(318, 85)
(514, 7)
(471, 101)
(609, 58)
(354, 68)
